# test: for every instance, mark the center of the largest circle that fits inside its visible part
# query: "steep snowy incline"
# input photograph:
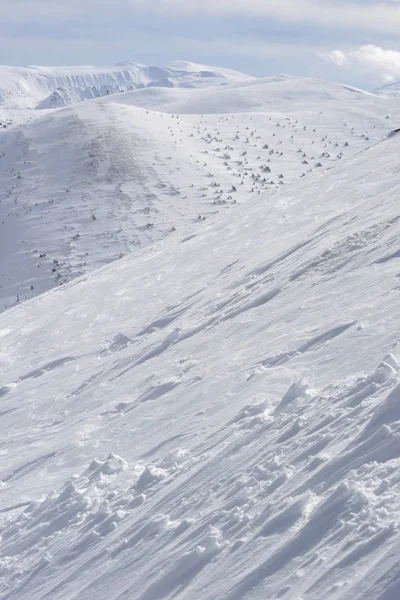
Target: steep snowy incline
(85, 185)
(217, 416)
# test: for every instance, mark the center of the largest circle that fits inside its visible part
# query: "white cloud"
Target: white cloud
(383, 62)
(380, 60)
(338, 57)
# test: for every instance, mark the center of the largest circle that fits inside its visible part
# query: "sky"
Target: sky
(352, 41)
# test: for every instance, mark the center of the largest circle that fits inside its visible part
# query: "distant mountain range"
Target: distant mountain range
(54, 87)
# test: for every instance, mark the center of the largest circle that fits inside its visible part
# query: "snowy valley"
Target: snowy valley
(205, 402)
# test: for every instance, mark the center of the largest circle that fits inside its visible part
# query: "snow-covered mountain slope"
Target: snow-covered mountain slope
(80, 187)
(183, 69)
(66, 96)
(218, 415)
(391, 89)
(34, 85)
(291, 93)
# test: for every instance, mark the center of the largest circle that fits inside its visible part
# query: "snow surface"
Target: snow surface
(271, 93)
(217, 414)
(83, 186)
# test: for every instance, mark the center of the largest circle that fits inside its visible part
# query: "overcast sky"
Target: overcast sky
(354, 41)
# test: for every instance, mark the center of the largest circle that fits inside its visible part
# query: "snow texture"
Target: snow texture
(215, 415)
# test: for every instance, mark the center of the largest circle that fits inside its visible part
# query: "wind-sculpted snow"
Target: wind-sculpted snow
(216, 416)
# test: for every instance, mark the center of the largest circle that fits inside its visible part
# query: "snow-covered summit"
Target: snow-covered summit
(181, 66)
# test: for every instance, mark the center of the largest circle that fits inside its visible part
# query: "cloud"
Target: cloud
(373, 16)
(385, 63)
(368, 15)
(338, 57)
(117, 48)
(58, 11)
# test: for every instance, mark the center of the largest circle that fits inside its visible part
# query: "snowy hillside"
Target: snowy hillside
(391, 89)
(38, 86)
(216, 416)
(87, 184)
(287, 93)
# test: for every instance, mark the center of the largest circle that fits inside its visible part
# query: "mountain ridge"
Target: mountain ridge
(85, 184)
(32, 85)
(220, 410)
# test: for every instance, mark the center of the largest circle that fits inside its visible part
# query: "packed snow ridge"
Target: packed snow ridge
(215, 415)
